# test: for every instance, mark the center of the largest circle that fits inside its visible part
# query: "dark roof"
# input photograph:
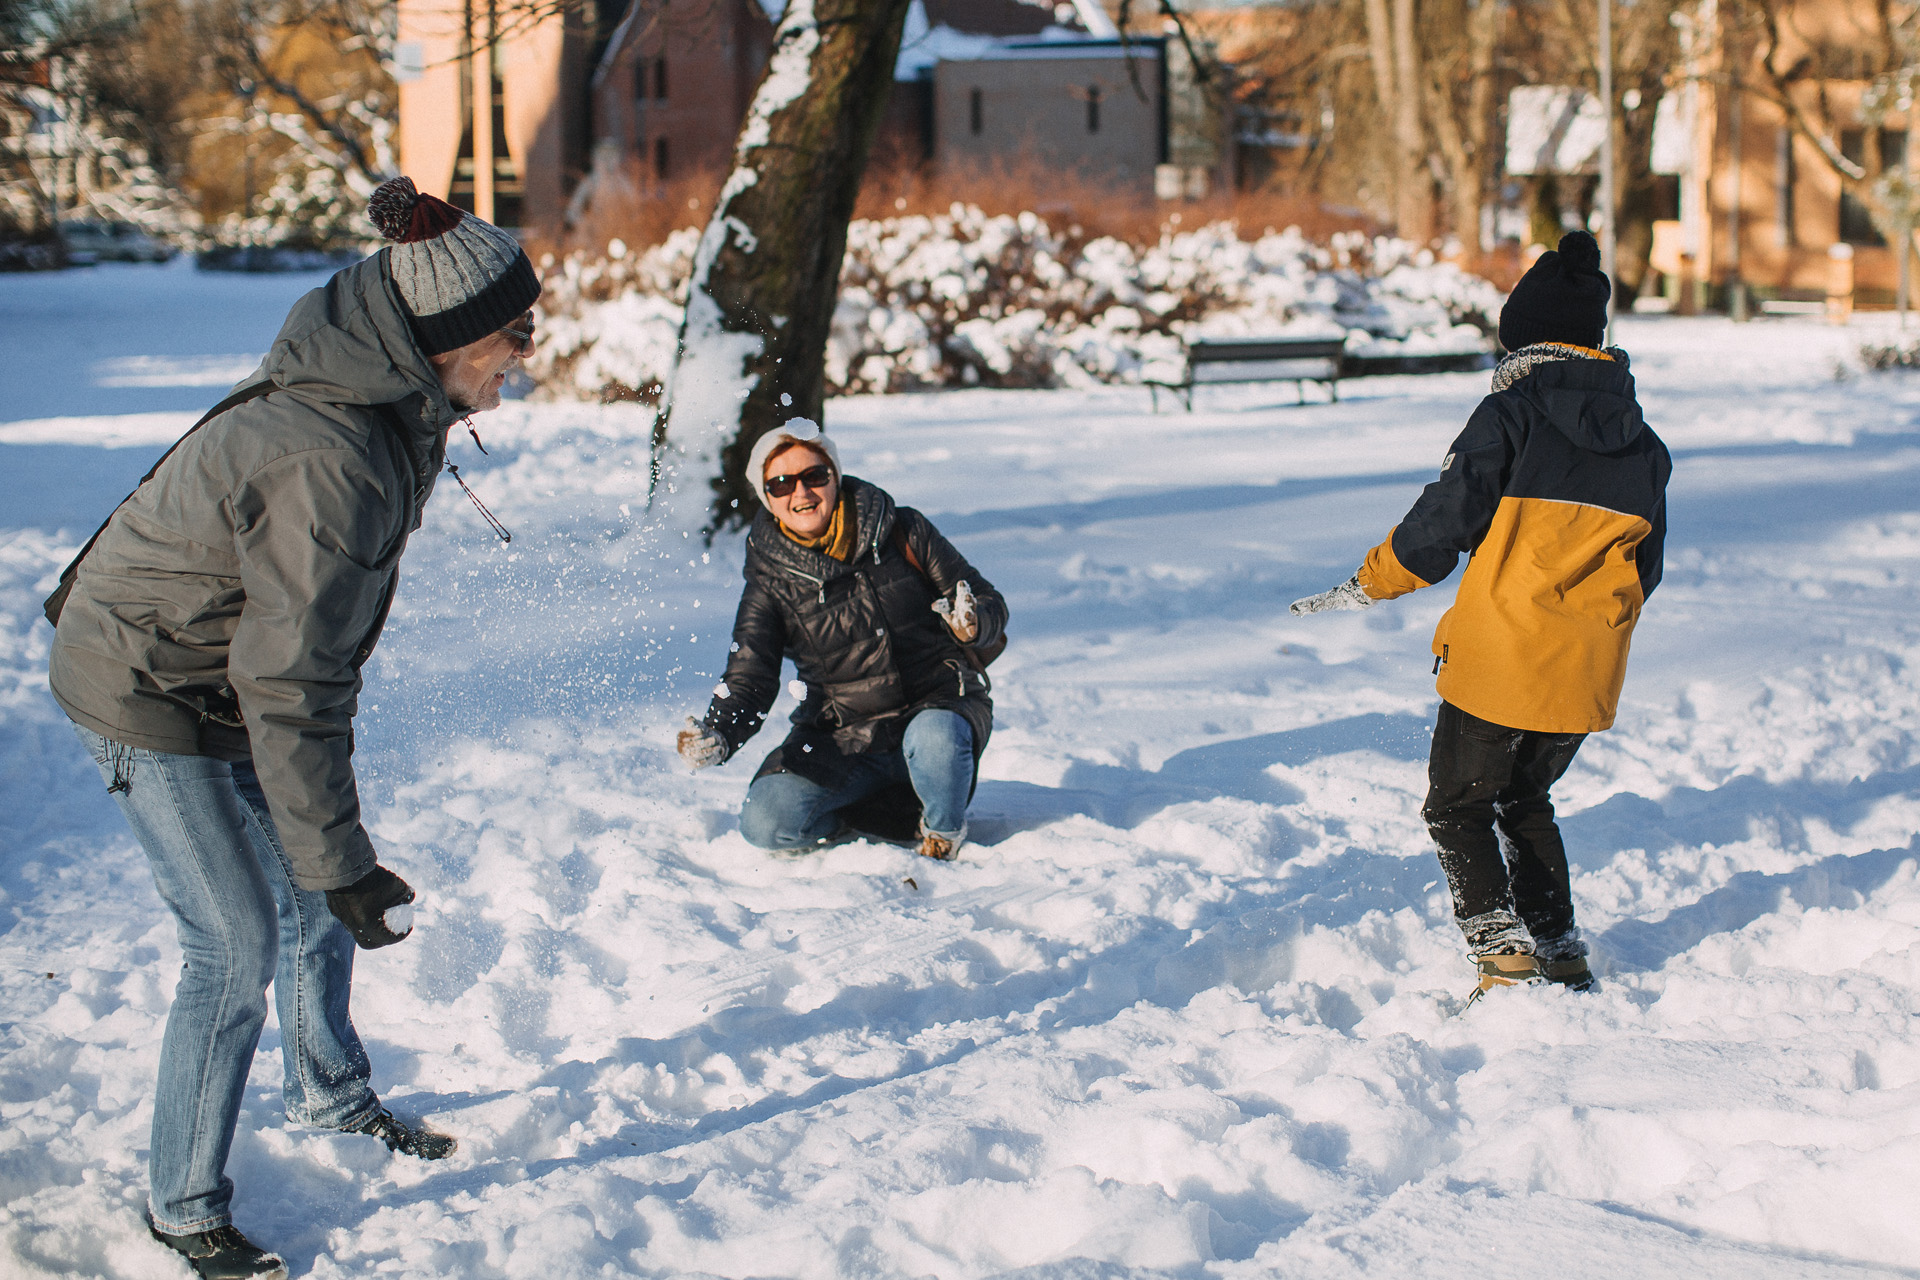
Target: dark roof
(997, 17)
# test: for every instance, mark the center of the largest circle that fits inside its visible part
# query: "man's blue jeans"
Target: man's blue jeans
(243, 924)
(785, 811)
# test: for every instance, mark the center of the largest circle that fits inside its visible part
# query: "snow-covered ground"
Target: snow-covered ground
(1182, 1009)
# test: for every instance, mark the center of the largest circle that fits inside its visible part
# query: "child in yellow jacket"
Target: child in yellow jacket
(1556, 490)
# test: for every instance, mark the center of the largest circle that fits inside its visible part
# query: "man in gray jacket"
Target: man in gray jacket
(209, 648)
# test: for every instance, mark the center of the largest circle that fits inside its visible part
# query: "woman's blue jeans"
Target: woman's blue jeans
(243, 924)
(785, 811)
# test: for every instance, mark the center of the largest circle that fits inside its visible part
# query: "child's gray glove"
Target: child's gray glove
(700, 746)
(959, 613)
(1348, 595)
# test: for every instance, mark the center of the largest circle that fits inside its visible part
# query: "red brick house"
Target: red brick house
(670, 82)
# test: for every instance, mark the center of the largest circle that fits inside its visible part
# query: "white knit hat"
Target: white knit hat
(461, 277)
(798, 431)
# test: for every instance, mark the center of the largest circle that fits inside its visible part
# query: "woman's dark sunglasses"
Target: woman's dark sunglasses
(812, 477)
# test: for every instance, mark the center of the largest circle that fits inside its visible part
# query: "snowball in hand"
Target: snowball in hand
(1348, 595)
(399, 919)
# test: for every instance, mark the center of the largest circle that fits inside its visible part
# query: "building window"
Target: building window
(660, 159)
(1856, 227)
(976, 112)
(650, 80)
(1093, 108)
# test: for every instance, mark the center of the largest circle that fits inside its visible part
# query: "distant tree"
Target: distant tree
(1558, 43)
(298, 96)
(83, 113)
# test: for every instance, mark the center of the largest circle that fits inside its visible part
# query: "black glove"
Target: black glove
(374, 908)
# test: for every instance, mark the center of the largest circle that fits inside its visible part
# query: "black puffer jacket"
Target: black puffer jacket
(862, 634)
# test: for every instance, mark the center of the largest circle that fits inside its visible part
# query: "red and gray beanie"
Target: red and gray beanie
(460, 277)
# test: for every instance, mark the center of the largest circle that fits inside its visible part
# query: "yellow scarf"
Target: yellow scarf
(837, 541)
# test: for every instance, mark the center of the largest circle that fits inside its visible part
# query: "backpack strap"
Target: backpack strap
(976, 658)
(57, 602)
(906, 553)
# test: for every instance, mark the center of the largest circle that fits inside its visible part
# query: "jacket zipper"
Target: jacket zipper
(818, 582)
(1441, 661)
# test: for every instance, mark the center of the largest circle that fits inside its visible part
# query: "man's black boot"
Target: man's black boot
(222, 1254)
(408, 1139)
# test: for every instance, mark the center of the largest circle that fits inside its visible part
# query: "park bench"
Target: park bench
(1295, 360)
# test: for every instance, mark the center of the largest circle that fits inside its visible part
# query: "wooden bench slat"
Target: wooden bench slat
(1223, 351)
(1319, 370)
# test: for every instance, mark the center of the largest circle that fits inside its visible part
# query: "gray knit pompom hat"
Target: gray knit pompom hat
(460, 277)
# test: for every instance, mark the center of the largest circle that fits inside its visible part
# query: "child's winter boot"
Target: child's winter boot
(1564, 960)
(1503, 969)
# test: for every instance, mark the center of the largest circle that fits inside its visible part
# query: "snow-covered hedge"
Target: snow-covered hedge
(968, 299)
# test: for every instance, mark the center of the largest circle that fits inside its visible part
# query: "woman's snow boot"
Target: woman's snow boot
(941, 848)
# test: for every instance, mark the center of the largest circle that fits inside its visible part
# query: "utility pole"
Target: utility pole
(482, 96)
(1736, 287)
(1608, 196)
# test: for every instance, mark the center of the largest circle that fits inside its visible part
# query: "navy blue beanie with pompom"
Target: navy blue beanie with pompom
(1562, 298)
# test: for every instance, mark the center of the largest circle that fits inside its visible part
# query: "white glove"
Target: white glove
(1347, 596)
(959, 614)
(700, 746)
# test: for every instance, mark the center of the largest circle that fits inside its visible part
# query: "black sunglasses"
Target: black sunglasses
(812, 477)
(522, 337)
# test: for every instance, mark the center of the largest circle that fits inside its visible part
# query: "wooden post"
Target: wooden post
(1839, 284)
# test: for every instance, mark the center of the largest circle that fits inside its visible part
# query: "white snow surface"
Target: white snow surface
(1185, 1006)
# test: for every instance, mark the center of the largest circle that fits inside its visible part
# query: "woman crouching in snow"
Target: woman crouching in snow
(890, 629)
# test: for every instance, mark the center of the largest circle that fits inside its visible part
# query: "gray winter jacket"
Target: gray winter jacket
(228, 607)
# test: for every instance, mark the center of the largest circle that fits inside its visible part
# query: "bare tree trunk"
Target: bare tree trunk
(767, 273)
(1483, 43)
(1415, 208)
(1463, 170)
(1380, 56)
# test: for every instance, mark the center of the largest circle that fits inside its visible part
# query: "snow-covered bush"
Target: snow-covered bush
(968, 299)
(307, 207)
(1879, 357)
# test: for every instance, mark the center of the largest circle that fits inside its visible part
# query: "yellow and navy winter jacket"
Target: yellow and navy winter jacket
(1557, 492)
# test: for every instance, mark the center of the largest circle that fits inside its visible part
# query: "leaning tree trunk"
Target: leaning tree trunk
(766, 276)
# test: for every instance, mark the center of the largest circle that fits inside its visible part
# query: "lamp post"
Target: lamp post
(482, 76)
(1607, 193)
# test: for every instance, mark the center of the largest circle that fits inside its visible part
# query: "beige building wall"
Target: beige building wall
(432, 108)
(536, 64)
(1037, 103)
(1774, 185)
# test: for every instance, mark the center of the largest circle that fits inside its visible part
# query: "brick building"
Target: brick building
(661, 93)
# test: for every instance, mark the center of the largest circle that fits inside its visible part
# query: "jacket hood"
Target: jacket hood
(768, 548)
(1590, 402)
(350, 342)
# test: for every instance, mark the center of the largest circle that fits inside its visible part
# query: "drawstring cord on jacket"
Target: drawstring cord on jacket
(492, 520)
